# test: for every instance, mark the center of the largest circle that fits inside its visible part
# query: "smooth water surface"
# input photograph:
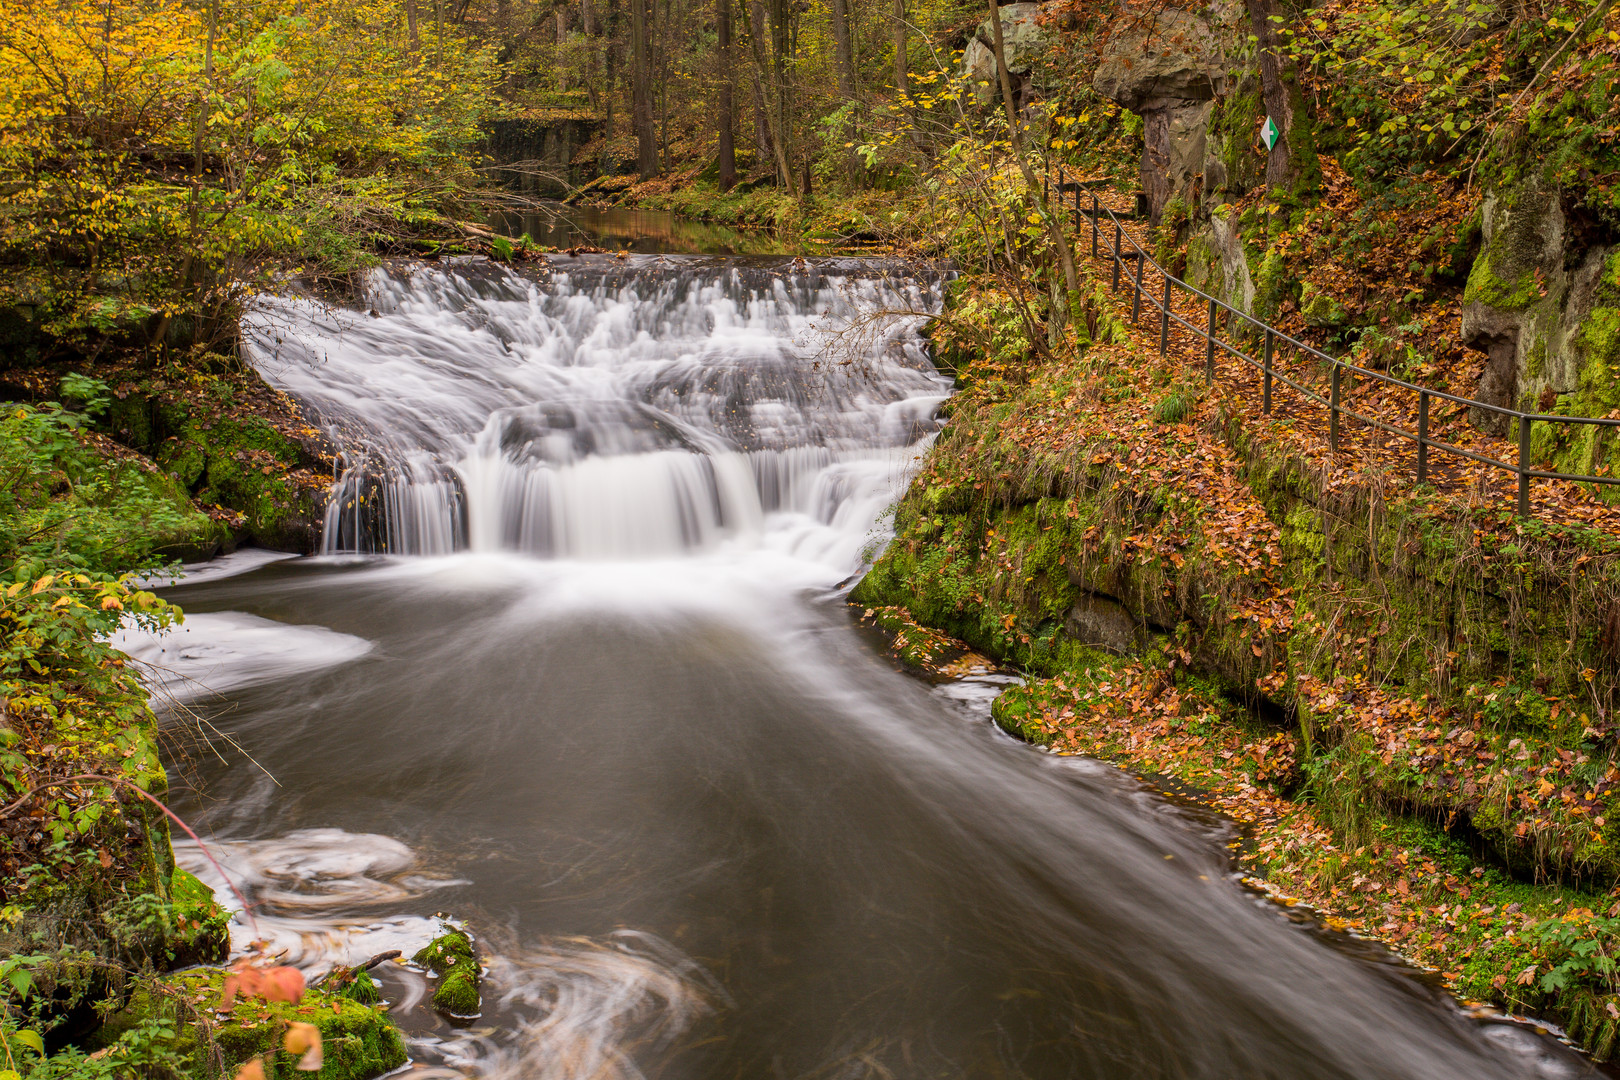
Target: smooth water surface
(601, 702)
(558, 225)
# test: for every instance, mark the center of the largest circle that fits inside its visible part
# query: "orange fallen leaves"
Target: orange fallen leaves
(304, 1042)
(266, 984)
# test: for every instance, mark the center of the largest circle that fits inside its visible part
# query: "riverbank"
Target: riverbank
(1395, 689)
(94, 913)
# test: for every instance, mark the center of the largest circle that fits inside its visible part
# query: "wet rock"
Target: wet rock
(444, 952)
(457, 993)
(450, 956)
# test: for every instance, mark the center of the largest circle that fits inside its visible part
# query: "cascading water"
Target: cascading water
(615, 409)
(699, 829)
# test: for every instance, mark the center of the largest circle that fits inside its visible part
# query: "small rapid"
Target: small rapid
(610, 409)
(575, 672)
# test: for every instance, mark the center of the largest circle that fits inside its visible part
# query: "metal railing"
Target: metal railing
(1338, 367)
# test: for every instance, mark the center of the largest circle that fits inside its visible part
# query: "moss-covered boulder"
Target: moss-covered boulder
(197, 928)
(236, 444)
(358, 1041)
(1545, 310)
(450, 956)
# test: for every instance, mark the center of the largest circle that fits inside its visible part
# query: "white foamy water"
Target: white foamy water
(211, 654)
(612, 411)
(308, 889)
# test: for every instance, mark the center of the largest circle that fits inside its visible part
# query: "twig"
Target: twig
(22, 800)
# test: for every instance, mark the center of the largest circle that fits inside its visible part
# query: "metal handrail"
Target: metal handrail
(1117, 257)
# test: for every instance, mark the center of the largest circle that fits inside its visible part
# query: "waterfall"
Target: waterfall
(612, 408)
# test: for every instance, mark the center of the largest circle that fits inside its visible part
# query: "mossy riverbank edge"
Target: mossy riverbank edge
(1406, 699)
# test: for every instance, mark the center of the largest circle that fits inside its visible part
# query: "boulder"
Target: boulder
(1161, 60)
(1021, 40)
(1169, 66)
(1099, 622)
(1216, 262)
(1547, 319)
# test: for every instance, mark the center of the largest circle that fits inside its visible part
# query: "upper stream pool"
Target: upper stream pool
(575, 671)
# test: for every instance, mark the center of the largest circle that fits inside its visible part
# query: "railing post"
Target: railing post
(1116, 254)
(1079, 214)
(1209, 345)
(1265, 395)
(1423, 435)
(1524, 466)
(1333, 409)
(1094, 225)
(1136, 300)
(1164, 318)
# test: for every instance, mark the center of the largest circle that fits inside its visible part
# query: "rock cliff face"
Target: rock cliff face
(1021, 40)
(1546, 313)
(1168, 66)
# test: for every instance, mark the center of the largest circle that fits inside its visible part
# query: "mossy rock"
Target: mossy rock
(202, 926)
(362, 988)
(457, 993)
(450, 956)
(450, 949)
(1015, 711)
(358, 1041)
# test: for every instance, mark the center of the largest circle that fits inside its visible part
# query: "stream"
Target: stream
(575, 671)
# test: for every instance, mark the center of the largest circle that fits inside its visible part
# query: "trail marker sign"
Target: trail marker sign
(1270, 133)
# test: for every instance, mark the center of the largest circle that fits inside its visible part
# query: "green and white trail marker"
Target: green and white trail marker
(1270, 133)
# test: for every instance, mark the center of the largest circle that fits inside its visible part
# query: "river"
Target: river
(575, 671)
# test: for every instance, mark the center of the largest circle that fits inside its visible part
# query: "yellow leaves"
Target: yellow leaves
(42, 584)
(251, 1070)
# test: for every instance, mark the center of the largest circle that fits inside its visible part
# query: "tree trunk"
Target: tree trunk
(587, 19)
(410, 24)
(769, 99)
(1054, 226)
(641, 106)
(610, 32)
(844, 63)
(726, 150)
(1293, 159)
(562, 38)
(901, 83)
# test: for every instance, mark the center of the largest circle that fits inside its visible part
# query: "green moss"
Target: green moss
(457, 992)
(202, 926)
(242, 463)
(358, 1042)
(450, 956)
(1320, 309)
(1273, 283)
(450, 949)
(363, 989)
